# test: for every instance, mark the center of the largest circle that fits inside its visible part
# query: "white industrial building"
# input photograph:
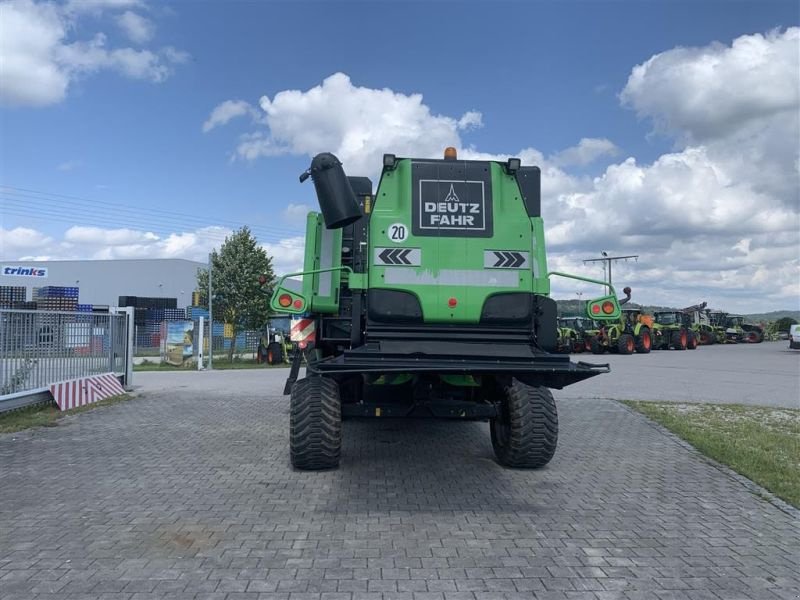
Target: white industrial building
(102, 282)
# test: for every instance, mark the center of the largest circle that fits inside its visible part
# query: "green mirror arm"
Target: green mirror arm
(314, 272)
(610, 287)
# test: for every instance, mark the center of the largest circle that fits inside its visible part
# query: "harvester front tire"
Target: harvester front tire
(525, 433)
(315, 424)
(625, 344)
(644, 342)
(707, 338)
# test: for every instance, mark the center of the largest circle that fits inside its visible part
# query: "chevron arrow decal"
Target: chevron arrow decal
(407, 257)
(505, 259)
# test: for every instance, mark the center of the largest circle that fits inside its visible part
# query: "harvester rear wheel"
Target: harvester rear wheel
(315, 424)
(643, 341)
(691, 340)
(625, 344)
(596, 346)
(706, 338)
(525, 432)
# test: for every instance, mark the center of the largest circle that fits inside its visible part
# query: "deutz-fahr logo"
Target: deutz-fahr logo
(17, 271)
(452, 205)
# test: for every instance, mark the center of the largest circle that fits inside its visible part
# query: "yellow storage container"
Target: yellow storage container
(228, 331)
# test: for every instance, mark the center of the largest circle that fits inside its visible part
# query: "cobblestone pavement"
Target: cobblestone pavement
(178, 494)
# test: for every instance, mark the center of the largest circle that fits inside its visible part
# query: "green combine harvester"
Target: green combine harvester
(739, 332)
(719, 325)
(430, 299)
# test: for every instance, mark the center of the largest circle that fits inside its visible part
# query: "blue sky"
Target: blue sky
(543, 75)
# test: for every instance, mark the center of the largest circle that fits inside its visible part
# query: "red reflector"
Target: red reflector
(284, 300)
(608, 308)
(298, 303)
(596, 309)
(452, 302)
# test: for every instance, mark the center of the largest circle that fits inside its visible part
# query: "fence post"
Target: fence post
(129, 328)
(110, 333)
(200, 346)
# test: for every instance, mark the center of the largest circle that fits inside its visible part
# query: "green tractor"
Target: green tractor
(430, 299)
(274, 346)
(572, 334)
(671, 330)
(630, 333)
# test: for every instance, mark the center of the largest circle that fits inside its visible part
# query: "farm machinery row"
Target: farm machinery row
(637, 332)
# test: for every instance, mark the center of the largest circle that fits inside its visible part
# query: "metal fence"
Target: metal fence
(147, 340)
(39, 348)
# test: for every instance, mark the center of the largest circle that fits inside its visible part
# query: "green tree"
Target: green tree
(238, 297)
(784, 324)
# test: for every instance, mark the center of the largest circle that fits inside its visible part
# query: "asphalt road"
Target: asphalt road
(766, 374)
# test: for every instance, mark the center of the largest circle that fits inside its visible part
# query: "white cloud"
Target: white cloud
(295, 214)
(80, 242)
(707, 92)
(470, 120)
(111, 237)
(358, 124)
(79, 6)
(224, 112)
(39, 60)
(287, 254)
(138, 28)
(19, 240)
(587, 151)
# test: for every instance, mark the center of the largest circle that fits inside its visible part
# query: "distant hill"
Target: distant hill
(576, 307)
(773, 316)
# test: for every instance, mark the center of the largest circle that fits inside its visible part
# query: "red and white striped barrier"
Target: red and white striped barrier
(86, 390)
(303, 332)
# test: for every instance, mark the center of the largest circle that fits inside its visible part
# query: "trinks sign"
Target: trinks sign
(24, 271)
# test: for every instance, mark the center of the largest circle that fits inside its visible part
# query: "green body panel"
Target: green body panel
(398, 379)
(453, 267)
(323, 251)
(459, 380)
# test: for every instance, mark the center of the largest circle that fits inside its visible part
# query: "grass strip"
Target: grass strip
(221, 364)
(47, 415)
(761, 443)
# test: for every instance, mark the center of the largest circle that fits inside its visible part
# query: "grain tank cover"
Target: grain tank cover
(336, 198)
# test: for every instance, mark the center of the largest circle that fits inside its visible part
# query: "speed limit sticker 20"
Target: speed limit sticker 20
(397, 232)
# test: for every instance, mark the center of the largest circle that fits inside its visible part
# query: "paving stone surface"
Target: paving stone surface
(184, 494)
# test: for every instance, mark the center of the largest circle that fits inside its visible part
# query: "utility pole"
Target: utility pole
(210, 317)
(607, 260)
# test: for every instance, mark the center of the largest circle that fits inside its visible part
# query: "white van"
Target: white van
(794, 337)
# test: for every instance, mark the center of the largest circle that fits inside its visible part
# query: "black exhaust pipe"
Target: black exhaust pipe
(334, 194)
